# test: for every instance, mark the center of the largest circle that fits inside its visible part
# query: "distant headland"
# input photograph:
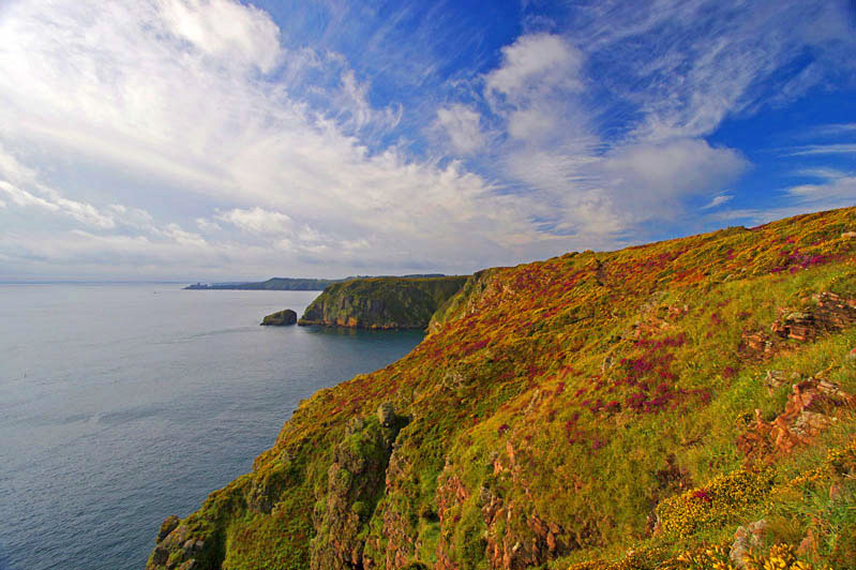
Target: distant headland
(293, 283)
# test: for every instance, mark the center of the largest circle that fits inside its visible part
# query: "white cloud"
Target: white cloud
(836, 192)
(225, 30)
(823, 149)
(583, 184)
(258, 220)
(717, 201)
(355, 110)
(668, 170)
(534, 64)
(53, 202)
(13, 171)
(462, 125)
(117, 90)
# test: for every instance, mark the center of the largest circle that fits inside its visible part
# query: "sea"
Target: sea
(121, 404)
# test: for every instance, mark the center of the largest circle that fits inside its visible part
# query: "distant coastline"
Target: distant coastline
(289, 283)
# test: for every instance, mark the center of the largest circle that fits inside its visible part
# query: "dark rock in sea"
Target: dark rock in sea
(281, 318)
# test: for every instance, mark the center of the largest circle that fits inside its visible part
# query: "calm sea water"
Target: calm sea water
(123, 404)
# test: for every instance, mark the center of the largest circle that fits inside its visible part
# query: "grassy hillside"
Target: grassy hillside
(685, 404)
(382, 302)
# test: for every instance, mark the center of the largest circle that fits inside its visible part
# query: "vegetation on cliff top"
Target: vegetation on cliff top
(685, 404)
(382, 302)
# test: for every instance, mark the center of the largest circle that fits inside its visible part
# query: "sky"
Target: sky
(222, 140)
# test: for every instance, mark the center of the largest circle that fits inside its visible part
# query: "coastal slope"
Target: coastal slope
(382, 302)
(686, 404)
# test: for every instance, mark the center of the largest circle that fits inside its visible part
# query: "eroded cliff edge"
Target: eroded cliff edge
(382, 302)
(630, 409)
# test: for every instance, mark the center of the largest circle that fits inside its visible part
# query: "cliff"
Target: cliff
(382, 302)
(687, 404)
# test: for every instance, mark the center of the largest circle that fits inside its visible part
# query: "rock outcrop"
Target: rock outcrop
(382, 302)
(355, 483)
(280, 318)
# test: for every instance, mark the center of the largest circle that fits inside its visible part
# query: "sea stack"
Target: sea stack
(280, 319)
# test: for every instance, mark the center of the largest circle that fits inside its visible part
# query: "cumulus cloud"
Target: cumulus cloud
(667, 170)
(585, 182)
(533, 65)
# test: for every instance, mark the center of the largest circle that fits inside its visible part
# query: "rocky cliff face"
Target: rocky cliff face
(632, 409)
(382, 302)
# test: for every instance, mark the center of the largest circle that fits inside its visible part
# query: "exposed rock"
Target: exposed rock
(811, 408)
(180, 549)
(386, 415)
(757, 344)
(280, 318)
(775, 379)
(808, 545)
(355, 483)
(167, 527)
(746, 539)
(833, 313)
(159, 556)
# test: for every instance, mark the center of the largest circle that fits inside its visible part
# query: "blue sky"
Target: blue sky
(217, 140)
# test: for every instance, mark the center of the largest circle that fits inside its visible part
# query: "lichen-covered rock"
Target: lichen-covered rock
(280, 318)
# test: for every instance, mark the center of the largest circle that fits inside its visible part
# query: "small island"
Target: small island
(280, 318)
